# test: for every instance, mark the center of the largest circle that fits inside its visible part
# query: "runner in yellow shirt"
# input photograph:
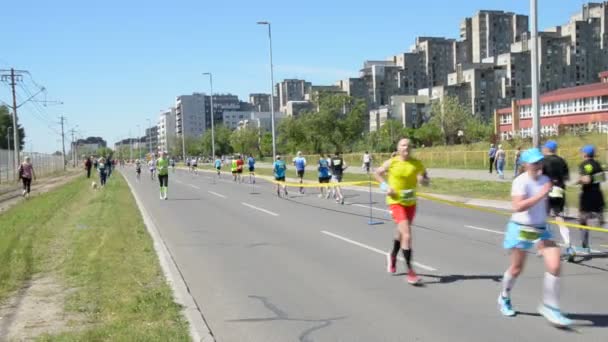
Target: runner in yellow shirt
(404, 174)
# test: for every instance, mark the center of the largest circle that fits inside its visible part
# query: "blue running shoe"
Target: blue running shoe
(554, 316)
(504, 304)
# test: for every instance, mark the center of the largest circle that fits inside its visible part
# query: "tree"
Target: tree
(428, 134)
(450, 116)
(6, 121)
(266, 145)
(246, 141)
(222, 141)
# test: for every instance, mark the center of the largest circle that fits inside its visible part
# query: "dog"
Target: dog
(94, 185)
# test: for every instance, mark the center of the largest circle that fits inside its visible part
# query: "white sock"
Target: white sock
(565, 233)
(508, 281)
(551, 290)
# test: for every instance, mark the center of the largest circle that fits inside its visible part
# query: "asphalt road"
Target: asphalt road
(307, 269)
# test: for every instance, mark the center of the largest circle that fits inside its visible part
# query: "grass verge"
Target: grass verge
(95, 243)
(492, 190)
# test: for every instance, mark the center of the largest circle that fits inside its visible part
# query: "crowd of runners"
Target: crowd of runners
(537, 194)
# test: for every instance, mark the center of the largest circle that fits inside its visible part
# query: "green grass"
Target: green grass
(492, 190)
(95, 243)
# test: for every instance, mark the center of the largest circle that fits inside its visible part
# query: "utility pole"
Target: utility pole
(8, 142)
(62, 120)
(535, 74)
(74, 154)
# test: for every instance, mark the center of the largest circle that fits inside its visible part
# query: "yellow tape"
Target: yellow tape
(429, 197)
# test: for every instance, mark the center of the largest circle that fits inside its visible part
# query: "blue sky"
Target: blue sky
(115, 64)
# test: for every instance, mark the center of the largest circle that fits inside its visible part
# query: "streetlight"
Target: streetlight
(535, 74)
(212, 115)
(150, 139)
(274, 146)
(139, 141)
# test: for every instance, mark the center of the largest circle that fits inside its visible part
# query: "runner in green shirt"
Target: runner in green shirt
(162, 165)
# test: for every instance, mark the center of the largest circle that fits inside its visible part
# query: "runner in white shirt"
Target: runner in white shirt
(152, 166)
(367, 161)
(528, 227)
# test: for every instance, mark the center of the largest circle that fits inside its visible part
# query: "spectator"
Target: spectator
(95, 162)
(492, 156)
(88, 164)
(109, 166)
(517, 162)
(367, 161)
(101, 168)
(500, 162)
(26, 173)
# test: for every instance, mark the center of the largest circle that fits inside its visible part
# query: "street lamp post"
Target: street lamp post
(150, 138)
(535, 74)
(139, 141)
(274, 146)
(212, 115)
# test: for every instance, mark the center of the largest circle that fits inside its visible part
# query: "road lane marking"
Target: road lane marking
(194, 186)
(373, 208)
(178, 181)
(259, 209)
(428, 268)
(216, 194)
(485, 230)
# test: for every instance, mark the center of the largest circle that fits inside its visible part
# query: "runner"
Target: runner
(194, 164)
(331, 192)
(218, 166)
(138, 169)
(404, 174)
(172, 162)
(101, 168)
(591, 203)
(163, 174)
(324, 176)
(280, 168)
(556, 169)
(300, 163)
(528, 226)
(188, 165)
(251, 163)
(152, 167)
(338, 166)
(239, 168)
(234, 167)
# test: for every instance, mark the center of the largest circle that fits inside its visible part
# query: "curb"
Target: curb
(199, 331)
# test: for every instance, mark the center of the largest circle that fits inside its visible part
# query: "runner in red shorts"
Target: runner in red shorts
(404, 174)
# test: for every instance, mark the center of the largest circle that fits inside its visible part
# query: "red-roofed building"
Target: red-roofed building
(576, 109)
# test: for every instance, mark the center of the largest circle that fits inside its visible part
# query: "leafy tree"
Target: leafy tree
(246, 141)
(222, 141)
(428, 134)
(6, 121)
(266, 145)
(450, 116)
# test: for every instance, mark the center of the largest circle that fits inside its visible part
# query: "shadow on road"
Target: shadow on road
(452, 278)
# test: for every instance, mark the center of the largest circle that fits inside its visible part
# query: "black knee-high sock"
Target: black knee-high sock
(396, 246)
(407, 255)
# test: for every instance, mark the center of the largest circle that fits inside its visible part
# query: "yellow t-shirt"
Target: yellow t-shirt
(403, 178)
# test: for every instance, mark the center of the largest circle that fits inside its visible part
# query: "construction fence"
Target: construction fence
(44, 165)
(462, 159)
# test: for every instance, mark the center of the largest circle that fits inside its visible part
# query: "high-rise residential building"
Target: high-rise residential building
(383, 79)
(152, 139)
(221, 103)
(260, 102)
(191, 114)
(412, 77)
(354, 87)
(491, 33)
(261, 120)
(166, 129)
(292, 90)
(436, 59)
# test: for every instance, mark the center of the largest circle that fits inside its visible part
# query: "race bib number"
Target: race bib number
(408, 195)
(556, 192)
(529, 234)
(337, 162)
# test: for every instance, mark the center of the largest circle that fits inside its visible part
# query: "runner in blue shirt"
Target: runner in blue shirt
(300, 163)
(218, 166)
(280, 167)
(251, 163)
(324, 176)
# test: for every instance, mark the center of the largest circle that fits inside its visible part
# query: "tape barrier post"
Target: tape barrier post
(371, 221)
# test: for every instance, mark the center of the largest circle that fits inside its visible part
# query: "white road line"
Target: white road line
(373, 208)
(178, 181)
(486, 230)
(216, 194)
(428, 268)
(260, 209)
(194, 186)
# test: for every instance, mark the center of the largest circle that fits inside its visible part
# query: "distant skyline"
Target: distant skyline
(115, 64)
